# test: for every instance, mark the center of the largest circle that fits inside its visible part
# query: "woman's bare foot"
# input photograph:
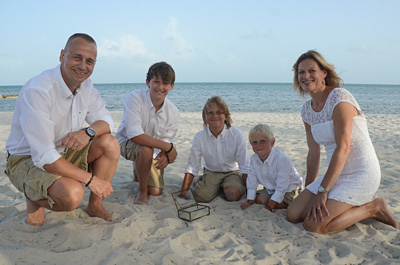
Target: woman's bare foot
(35, 213)
(99, 211)
(141, 198)
(383, 214)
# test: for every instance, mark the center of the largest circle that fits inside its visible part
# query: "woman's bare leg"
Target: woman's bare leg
(343, 215)
(297, 210)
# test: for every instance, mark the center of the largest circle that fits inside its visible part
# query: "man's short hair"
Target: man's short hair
(83, 36)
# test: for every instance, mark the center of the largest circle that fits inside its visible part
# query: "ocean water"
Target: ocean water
(240, 97)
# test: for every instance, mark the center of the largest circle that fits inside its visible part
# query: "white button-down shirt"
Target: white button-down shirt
(277, 174)
(225, 153)
(46, 111)
(140, 117)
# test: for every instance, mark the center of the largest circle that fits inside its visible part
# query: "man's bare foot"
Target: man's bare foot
(383, 214)
(141, 198)
(99, 211)
(35, 213)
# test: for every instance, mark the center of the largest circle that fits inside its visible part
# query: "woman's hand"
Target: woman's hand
(318, 208)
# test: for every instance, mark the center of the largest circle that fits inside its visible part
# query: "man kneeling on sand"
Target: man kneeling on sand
(51, 156)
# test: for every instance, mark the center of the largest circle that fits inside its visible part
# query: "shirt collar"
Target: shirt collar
(64, 89)
(270, 158)
(222, 134)
(150, 105)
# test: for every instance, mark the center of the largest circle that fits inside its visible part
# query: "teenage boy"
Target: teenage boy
(149, 125)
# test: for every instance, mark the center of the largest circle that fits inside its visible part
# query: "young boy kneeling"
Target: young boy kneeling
(272, 169)
(224, 150)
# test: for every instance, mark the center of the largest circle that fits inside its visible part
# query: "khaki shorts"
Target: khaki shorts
(130, 150)
(211, 183)
(288, 198)
(33, 181)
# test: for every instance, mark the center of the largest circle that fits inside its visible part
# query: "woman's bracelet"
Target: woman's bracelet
(90, 180)
(172, 146)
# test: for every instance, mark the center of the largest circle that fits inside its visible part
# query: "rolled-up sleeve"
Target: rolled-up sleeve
(132, 117)
(37, 127)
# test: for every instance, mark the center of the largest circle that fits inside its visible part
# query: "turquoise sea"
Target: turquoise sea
(240, 97)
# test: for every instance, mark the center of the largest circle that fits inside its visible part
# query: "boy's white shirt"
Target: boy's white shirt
(277, 174)
(140, 118)
(225, 153)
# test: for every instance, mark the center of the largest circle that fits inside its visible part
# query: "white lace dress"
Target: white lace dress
(361, 174)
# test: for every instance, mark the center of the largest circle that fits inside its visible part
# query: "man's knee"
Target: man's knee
(67, 197)
(110, 144)
(105, 145)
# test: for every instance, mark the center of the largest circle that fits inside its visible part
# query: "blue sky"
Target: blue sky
(205, 41)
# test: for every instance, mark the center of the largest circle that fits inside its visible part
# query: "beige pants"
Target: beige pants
(211, 183)
(33, 181)
(288, 198)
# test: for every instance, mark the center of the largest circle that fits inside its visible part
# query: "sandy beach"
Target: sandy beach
(153, 233)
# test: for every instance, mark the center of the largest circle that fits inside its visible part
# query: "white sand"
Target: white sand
(153, 234)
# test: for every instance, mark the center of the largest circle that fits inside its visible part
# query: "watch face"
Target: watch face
(90, 131)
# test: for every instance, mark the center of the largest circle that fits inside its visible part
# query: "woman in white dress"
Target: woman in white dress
(333, 118)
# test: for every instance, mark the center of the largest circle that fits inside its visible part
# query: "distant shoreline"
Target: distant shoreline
(9, 96)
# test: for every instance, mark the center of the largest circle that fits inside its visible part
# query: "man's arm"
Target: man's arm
(79, 139)
(64, 168)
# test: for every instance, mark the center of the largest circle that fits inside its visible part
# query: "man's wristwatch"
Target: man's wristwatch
(89, 131)
(322, 189)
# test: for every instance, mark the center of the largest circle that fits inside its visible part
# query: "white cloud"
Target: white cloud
(255, 34)
(126, 46)
(180, 47)
(361, 48)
